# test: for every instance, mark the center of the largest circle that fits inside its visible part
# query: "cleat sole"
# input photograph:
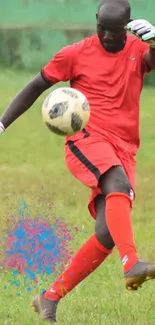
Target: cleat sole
(46, 314)
(33, 305)
(136, 282)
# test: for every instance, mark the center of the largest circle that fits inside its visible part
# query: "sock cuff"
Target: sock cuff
(101, 247)
(119, 195)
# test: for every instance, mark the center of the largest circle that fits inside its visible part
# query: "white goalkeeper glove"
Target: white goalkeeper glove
(144, 30)
(2, 128)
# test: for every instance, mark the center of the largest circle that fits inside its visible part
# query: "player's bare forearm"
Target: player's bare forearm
(150, 58)
(24, 99)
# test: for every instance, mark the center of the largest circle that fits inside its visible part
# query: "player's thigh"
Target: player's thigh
(129, 168)
(87, 159)
(120, 178)
(115, 180)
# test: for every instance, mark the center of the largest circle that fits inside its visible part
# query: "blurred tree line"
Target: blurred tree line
(31, 32)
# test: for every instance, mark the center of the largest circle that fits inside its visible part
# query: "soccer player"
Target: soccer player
(109, 68)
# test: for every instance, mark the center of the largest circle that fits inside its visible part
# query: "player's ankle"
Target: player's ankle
(130, 264)
(52, 295)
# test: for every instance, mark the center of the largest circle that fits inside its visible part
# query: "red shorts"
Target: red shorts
(91, 155)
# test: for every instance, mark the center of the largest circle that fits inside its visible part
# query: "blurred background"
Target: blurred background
(34, 180)
(31, 31)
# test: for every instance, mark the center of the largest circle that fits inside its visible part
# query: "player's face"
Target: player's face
(111, 36)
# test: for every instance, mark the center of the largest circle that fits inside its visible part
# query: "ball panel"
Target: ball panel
(55, 129)
(65, 111)
(85, 106)
(58, 109)
(46, 101)
(76, 122)
(70, 92)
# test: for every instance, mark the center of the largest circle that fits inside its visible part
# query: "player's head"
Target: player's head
(112, 17)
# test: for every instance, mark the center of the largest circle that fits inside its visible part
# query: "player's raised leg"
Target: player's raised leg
(114, 183)
(94, 251)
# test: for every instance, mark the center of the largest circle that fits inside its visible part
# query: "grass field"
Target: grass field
(31, 157)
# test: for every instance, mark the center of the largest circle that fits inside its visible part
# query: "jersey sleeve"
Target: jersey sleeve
(61, 67)
(143, 49)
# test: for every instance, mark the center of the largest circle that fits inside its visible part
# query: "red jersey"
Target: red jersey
(112, 83)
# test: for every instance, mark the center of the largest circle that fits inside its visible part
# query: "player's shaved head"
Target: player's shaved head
(119, 3)
(112, 17)
(118, 10)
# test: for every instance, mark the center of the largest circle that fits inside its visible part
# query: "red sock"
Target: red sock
(86, 260)
(118, 211)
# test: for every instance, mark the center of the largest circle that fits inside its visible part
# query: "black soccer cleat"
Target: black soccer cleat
(140, 272)
(45, 307)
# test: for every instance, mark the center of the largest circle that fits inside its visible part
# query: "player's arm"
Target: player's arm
(60, 68)
(150, 58)
(146, 32)
(24, 100)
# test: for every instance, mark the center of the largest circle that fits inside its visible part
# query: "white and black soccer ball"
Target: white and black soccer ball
(65, 111)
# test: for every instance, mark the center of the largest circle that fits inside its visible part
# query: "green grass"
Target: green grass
(31, 157)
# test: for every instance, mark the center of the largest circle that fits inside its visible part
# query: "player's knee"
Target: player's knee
(115, 180)
(122, 186)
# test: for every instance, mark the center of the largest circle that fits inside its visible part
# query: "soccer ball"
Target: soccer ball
(65, 111)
